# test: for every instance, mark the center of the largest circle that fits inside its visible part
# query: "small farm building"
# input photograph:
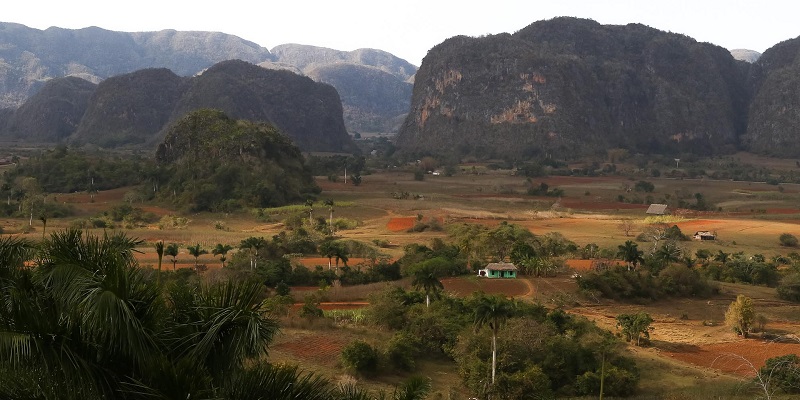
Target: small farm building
(499, 270)
(656, 209)
(704, 235)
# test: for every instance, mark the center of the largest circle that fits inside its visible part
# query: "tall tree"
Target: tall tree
(172, 251)
(494, 311)
(330, 204)
(253, 245)
(328, 249)
(424, 277)
(196, 251)
(222, 251)
(159, 246)
(43, 218)
(630, 253)
(310, 205)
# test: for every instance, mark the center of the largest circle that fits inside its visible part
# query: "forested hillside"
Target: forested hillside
(210, 162)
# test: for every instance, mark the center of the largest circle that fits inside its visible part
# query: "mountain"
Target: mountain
(31, 57)
(750, 56)
(136, 109)
(308, 58)
(571, 87)
(310, 113)
(53, 113)
(130, 109)
(375, 86)
(774, 113)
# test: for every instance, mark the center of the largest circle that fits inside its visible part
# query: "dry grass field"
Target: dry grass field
(691, 348)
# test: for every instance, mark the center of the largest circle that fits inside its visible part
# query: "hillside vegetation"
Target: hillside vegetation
(210, 162)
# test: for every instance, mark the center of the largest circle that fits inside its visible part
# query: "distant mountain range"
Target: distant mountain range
(571, 87)
(29, 58)
(564, 87)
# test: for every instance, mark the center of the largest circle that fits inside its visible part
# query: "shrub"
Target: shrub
(311, 308)
(788, 240)
(789, 288)
(784, 373)
(401, 351)
(360, 357)
(740, 315)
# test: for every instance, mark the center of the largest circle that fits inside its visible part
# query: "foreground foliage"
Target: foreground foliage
(85, 322)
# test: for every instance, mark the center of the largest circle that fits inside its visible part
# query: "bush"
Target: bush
(789, 288)
(311, 308)
(401, 351)
(784, 373)
(788, 240)
(360, 357)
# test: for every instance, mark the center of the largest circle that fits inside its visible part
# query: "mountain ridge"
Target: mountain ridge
(570, 87)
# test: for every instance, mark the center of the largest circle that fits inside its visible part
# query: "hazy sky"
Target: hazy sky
(409, 28)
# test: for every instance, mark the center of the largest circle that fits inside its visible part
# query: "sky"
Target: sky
(408, 29)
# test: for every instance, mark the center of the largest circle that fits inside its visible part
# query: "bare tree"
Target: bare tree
(766, 379)
(626, 226)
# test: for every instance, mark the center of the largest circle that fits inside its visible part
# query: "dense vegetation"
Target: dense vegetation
(209, 161)
(87, 323)
(65, 170)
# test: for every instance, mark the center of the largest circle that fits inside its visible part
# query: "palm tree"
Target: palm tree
(425, 278)
(630, 253)
(668, 252)
(328, 249)
(253, 244)
(341, 253)
(310, 205)
(330, 205)
(494, 311)
(159, 245)
(196, 251)
(222, 250)
(172, 251)
(43, 218)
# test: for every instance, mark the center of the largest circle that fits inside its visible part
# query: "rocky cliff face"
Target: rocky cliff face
(774, 115)
(569, 87)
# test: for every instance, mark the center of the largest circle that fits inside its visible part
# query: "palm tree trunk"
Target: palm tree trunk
(602, 374)
(494, 354)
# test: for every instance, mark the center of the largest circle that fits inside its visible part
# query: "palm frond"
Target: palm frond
(14, 252)
(269, 382)
(415, 388)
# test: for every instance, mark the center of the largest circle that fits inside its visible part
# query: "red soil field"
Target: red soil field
(727, 357)
(398, 224)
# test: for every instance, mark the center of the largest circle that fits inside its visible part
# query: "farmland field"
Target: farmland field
(688, 336)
